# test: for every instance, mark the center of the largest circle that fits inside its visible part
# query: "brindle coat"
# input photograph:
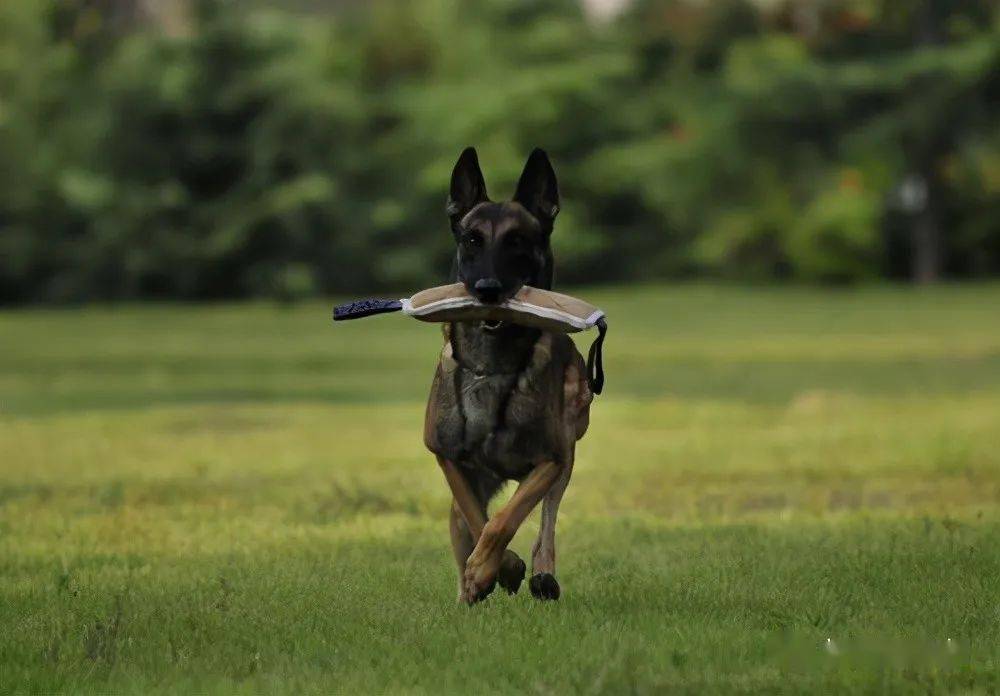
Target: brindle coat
(507, 402)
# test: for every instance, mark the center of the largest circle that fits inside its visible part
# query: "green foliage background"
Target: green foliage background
(285, 153)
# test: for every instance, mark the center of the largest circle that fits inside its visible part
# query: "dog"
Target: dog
(507, 402)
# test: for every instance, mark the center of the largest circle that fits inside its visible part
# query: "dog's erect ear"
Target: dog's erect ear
(468, 188)
(537, 189)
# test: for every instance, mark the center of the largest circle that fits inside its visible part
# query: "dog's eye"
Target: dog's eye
(473, 240)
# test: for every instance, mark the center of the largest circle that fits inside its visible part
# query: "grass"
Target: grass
(235, 498)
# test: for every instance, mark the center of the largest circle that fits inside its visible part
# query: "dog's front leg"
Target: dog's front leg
(468, 504)
(466, 521)
(484, 563)
(543, 583)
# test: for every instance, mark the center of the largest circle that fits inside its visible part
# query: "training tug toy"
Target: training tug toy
(534, 307)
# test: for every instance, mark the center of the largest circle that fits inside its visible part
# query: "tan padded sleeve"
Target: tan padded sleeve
(556, 300)
(543, 309)
(441, 292)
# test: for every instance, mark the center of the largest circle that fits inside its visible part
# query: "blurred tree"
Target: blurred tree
(763, 120)
(507, 76)
(262, 151)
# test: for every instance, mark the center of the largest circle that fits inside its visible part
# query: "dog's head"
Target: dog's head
(502, 246)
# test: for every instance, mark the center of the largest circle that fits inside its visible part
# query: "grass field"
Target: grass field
(781, 490)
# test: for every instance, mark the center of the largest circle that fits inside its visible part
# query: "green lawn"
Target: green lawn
(235, 498)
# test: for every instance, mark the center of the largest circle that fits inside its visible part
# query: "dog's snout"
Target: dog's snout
(488, 289)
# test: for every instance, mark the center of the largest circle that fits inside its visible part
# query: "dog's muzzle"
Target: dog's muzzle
(487, 290)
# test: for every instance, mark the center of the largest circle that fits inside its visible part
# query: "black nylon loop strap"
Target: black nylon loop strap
(595, 359)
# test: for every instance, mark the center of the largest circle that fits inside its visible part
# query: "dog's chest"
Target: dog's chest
(502, 415)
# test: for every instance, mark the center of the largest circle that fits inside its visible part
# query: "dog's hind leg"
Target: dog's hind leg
(543, 584)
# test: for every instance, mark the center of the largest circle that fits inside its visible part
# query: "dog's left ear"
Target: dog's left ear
(537, 189)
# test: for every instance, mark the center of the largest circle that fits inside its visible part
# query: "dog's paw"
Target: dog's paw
(472, 593)
(544, 586)
(480, 575)
(511, 574)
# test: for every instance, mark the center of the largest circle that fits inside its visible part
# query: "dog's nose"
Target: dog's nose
(488, 284)
(488, 289)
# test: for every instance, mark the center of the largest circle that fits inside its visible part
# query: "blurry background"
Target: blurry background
(204, 149)
(213, 496)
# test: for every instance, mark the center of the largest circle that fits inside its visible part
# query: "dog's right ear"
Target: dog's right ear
(468, 188)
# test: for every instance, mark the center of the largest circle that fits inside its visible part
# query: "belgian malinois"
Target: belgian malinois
(507, 401)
